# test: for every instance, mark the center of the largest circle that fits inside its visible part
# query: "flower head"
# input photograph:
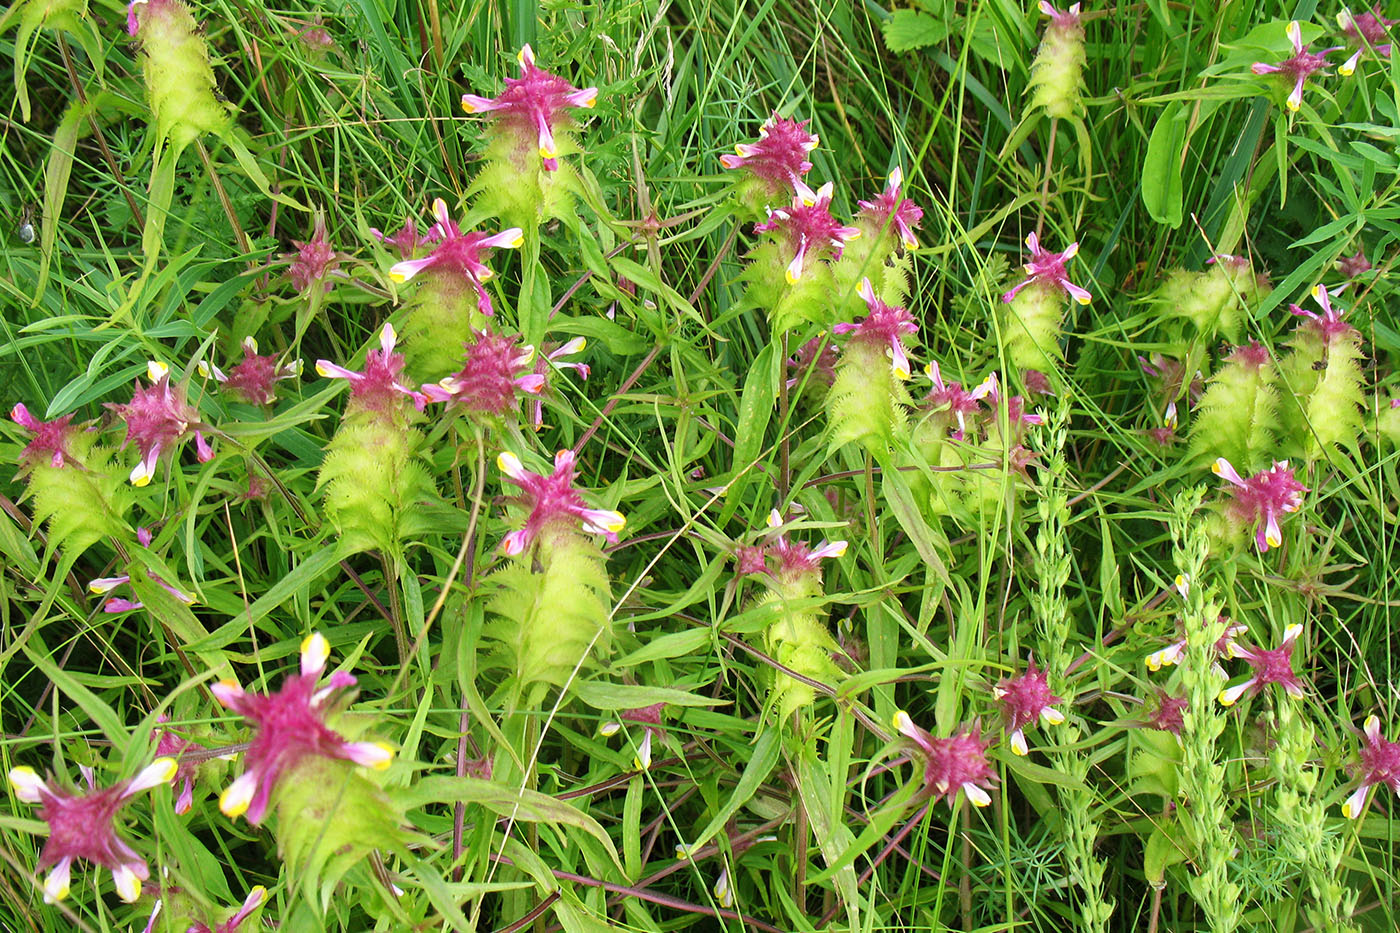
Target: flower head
(1225, 647)
(1380, 764)
(547, 362)
(1068, 19)
(255, 378)
(891, 209)
(290, 727)
(156, 418)
(459, 253)
(1269, 666)
(50, 441)
(1262, 498)
(104, 585)
(81, 826)
(1328, 325)
(553, 501)
(314, 261)
(1299, 67)
(952, 398)
(1048, 269)
(808, 227)
(490, 376)
(790, 560)
(817, 355)
(957, 763)
(533, 103)
(1167, 714)
(375, 387)
(1367, 30)
(407, 241)
(780, 154)
(1355, 265)
(649, 718)
(882, 326)
(1024, 699)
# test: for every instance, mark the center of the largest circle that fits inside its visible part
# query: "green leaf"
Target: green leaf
(606, 696)
(907, 30)
(1161, 168)
(766, 752)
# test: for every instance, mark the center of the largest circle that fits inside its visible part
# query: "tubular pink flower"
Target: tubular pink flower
(1225, 647)
(1353, 266)
(780, 154)
(553, 502)
(532, 104)
(547, 362)
(1299, 67)
(790, 560)
(953, 398)
(1024, 699)
(1328, 325)
(376, 387)
(1069, 19)
(1269, 666)
(1048, 269)
(808, 227)
(314, 261)
(1380, 764)
(50, 440)
(882, 326)
(1262, 498)
(170, 744)
(81, 827)
(104, 585)
(290, 727)
(1369, 30)
(490, 377)
(957, 763)
(893, 210)
(255, 378)
(155, 419)
(459, 253)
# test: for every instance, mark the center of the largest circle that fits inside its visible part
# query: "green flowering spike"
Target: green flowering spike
(867, 400)
(1214, 300)
(1057, 74)
(65, 16)
(1324, 380)
(790, 276)
(552, 602)
(1030, 325)
(1237, 417)
(1388, 419)
(179, 78)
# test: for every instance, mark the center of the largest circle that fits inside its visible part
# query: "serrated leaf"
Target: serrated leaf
(907, 30)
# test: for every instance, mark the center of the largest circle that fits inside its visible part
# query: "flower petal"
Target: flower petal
(403, 271)
(237, 796)
(509, 464)
(160, 771)
(227, 692)
(976, 795)
(127, 882)
(1352, 807)
(56, 883)
(376, 755)
(27, 784)
(1018, 743)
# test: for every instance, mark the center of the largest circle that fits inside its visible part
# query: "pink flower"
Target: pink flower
(489, 378)
(1299, 67)
(1380, 764)
(104, 585)
(882, 326)
(1328, 325)
(50, 440)
(553, 502)
(255, 378)
(250, 903)
(132, 23)
(957, 763)
(291, 727)
(952, 398)
(532, 104)
(1048, 269)
(1269, 666)
(406, 241)
(172, 745)
(547, 362)
(1024, 699)
(1167, 715)
(889, 209)
(791, 560)
(1261, 499)
(1366, 30)
(378, 385)
(1225, 648)
(81, 826)
(155, 419)
(750, 559)
(649, 717)
(818, 355)
(780, 154)
(1069, 19)
(807, 226)
(1354, 266)
(459, 253)
(314, 260)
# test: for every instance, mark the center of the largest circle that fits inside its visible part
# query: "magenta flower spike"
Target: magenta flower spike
(1380, 764)
(255, 378)
(460, 253)
(1299, 67)
(894, 210)
(378, 384)
(1369, 30)
(1024, 699)
(547, 362)
(81, 827)
(291, 728)
(533, 103)
(170, 744)
(791, 560)
(156, 418)
(882, 326)
(50, 441)
(1328, 325)
(649, 718)
(957, 400)
(958, 763)
(314, 261)
(1270, 666)
(491, 375)
(808, 227)
(553, 501)
(780, 154)
(407, 241)
(1047, 268)
(1167, 714)
(1262, 498)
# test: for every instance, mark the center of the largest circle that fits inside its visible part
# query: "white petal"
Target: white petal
(1354, 804)
(374, 755)
(27, 784)
(1018, 743)
(155, 370)
(509, 464)
(160, 771)
(127, 882)
(237, 796)
(975, 794)
(1230, 695)
(56, 884)
(315, 651)
(1052, 716)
